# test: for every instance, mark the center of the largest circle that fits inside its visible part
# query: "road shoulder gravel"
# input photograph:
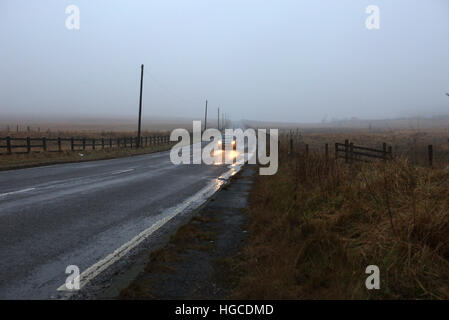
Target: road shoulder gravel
(195, 263)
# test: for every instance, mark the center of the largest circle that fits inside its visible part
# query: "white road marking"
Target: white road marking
(93, 271)
(123, 171)
(16, 192)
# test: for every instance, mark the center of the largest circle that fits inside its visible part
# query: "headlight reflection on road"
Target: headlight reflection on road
(222, 155)
(233, 154)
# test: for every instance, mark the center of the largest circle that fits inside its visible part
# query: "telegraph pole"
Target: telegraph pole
(205, 118)
(140, 108)
(218, 122)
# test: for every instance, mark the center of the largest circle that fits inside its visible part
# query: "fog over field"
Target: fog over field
(282, 61)
(311, 160)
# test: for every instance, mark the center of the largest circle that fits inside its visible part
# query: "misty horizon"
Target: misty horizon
(287, 61)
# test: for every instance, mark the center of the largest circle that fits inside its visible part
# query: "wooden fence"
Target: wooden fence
(10, 145)
(351, 152)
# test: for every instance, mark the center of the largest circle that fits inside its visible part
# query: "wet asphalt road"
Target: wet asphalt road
(75, 214)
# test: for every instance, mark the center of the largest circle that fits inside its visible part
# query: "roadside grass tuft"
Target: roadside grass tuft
(315, 226)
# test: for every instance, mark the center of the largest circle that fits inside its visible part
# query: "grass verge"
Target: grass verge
(315, 226)
(19, 161)
(191, 236)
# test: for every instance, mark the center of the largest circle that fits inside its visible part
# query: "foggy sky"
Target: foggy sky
(263, 60)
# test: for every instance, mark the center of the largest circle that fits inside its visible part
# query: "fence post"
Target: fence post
(336, 150)
(59, 144)
(146, 141)
(326, 152)
(384, 150)
(118, 142)
(28, 145)
(390, 151)
(131, 142)
(102, 143)
(8, 144)
(430, 153)
(351, 152)
(346, 151)
(110, 142)
(72, 144)
(44, 143)
(93, 144)
(84, 143)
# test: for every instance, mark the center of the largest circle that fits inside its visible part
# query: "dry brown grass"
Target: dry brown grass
(18, 161)
(37, 157)
(409, 143)
(190, 236)
(314, 227)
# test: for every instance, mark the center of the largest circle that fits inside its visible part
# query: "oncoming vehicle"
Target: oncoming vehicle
(227, 142)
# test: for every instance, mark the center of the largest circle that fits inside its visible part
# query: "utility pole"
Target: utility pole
(140, 108)
(218, 122)
(205, 118)
(222, 121)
